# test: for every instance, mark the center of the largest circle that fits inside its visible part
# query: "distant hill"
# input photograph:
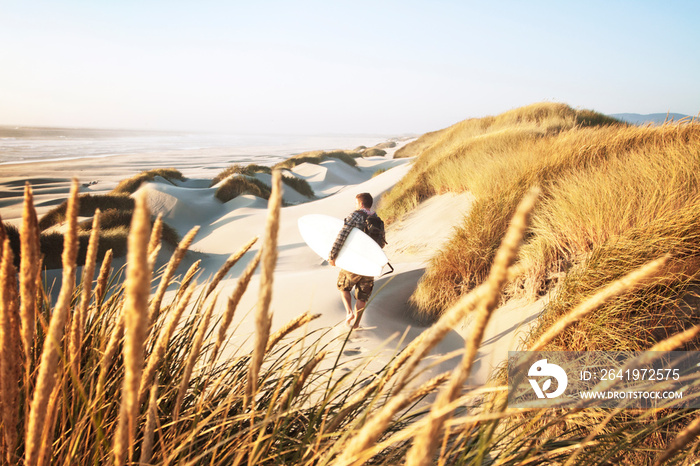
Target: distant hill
(653, 118)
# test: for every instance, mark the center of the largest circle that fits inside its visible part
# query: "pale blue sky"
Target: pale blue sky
(380, 67)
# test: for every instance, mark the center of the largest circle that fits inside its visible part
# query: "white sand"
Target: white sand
(303, 281)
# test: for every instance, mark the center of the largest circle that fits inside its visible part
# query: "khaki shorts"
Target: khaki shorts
(363, 285)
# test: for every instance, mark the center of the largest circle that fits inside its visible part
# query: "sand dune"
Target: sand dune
(304, 281)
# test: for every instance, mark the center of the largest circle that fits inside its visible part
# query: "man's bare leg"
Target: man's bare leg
(359, 311)
(347, 302)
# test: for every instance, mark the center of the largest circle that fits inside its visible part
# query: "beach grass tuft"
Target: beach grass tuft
(116, 212)
(236, 185)
(239, 169)
(249, 171)
(299, 185)
(89, 203)
(374, 152)
(132, 184)
(316, 157)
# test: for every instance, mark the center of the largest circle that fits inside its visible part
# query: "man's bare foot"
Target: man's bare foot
(350, 320)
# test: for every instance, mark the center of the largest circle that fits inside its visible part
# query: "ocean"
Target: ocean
(27, 145)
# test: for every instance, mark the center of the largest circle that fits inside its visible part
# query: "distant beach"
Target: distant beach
(50, 157)
(28, 144)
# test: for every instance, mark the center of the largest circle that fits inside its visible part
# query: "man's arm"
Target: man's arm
(356, 219)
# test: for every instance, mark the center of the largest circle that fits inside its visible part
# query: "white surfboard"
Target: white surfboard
(360, 254)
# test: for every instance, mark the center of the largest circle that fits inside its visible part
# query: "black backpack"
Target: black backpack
(374, 228)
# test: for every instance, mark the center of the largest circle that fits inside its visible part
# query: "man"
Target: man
(346, 280)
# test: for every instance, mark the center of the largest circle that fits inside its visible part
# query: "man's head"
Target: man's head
(364, 200)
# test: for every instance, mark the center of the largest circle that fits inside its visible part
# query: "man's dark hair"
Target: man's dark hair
(365, 199)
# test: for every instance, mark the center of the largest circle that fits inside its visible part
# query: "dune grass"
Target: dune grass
(415, 148)
(239, 169)
(249, 171)
(235, 186)
(605, 186)
(379, 172)
(318, 156)
(130, 391)
(299, 185)
(373, 152)
(116, 214)
(130, 185)
(88, 204)
(614, 197)
(453, 159)
(386, 145)
(112, 237)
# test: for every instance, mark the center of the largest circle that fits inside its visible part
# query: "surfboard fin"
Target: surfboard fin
(390, 271)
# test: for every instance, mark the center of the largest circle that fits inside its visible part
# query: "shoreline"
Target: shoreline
(36, 146)
(98, 175)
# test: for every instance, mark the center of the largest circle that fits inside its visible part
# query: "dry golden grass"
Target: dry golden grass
(9, 354)
(103, 278)
(194, 356)
(300, 412)
(426, 443)
(263, 318)
(29, 269)
(288, 328)
(78, 323)
(214, 403)
(374, 152)
(49, 367)
(235, 186)
(88, 205)
(173, 264)
(136, 324)
(415, 148)
(154, 244)
(246, 182)
(228, 265)
(130, 185)
(238, 169)
(161, 345)
(684, 438)
(318, 156)
(233, 301)
(150, 427)
(116, 212)
(605, 185)
(618, 287)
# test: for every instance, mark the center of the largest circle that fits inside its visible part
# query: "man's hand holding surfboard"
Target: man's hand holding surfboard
(360, 254)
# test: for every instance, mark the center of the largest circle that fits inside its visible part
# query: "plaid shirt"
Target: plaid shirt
(357, 220)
